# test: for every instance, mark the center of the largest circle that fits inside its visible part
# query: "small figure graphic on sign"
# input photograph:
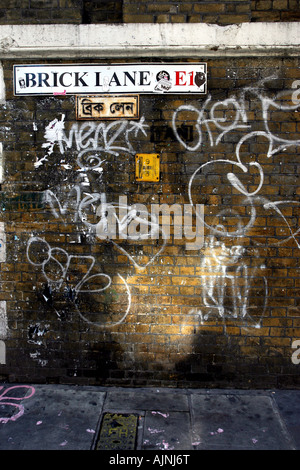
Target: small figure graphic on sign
(22, 83)
(163, 81)
(199, 78)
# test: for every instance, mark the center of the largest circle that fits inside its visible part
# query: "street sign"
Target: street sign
(107, 107)
(71, 79)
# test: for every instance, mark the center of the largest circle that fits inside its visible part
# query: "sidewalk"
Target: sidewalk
(61, 417)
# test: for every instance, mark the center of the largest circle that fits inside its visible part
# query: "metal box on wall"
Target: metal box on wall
(147, 167)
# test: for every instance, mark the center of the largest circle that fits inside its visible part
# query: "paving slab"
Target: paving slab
(146, 399)
(237, 422)
(288, 402)
(62, 417)
(167, 431)
(54, 418)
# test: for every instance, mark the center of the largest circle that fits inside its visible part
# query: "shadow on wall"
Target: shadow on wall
(209, 364)
(232, 304)
(219, 359)
(95, 355)
(106, 11)
(78, 301)
(231, 361)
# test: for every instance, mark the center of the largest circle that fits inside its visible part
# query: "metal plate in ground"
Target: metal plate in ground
(118, 432)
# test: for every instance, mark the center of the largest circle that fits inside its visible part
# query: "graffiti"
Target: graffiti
(225, 277)
(296, 354)
(163, 133)
(7, 401)
(234, 117)
(111, 220)
(134, 223)
(226, 282)
(251, 200)
(111, 138)
(296, 93)
(58, 210)
(57, 267)
(90, 208)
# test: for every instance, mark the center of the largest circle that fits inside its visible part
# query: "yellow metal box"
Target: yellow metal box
(147, 166)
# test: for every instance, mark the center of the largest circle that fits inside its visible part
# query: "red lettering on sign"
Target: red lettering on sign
(179, 76)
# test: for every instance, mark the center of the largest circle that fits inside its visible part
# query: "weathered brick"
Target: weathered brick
(209, 7)
(186, 306)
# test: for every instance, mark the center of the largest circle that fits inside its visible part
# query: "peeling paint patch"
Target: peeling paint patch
(3, 320)
(2, 243)
(2, 353)
(2, 85)
(53, 133)
(35, 357)
(1, 162)
(35, 332)
(3, 331)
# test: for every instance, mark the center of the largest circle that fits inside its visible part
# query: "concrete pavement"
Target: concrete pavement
(62, 417)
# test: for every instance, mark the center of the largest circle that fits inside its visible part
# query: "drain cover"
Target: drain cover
(118, 432)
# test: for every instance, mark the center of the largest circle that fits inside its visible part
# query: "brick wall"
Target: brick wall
(159, 11)
(224, 315)
(75, 308)
(222, 13)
